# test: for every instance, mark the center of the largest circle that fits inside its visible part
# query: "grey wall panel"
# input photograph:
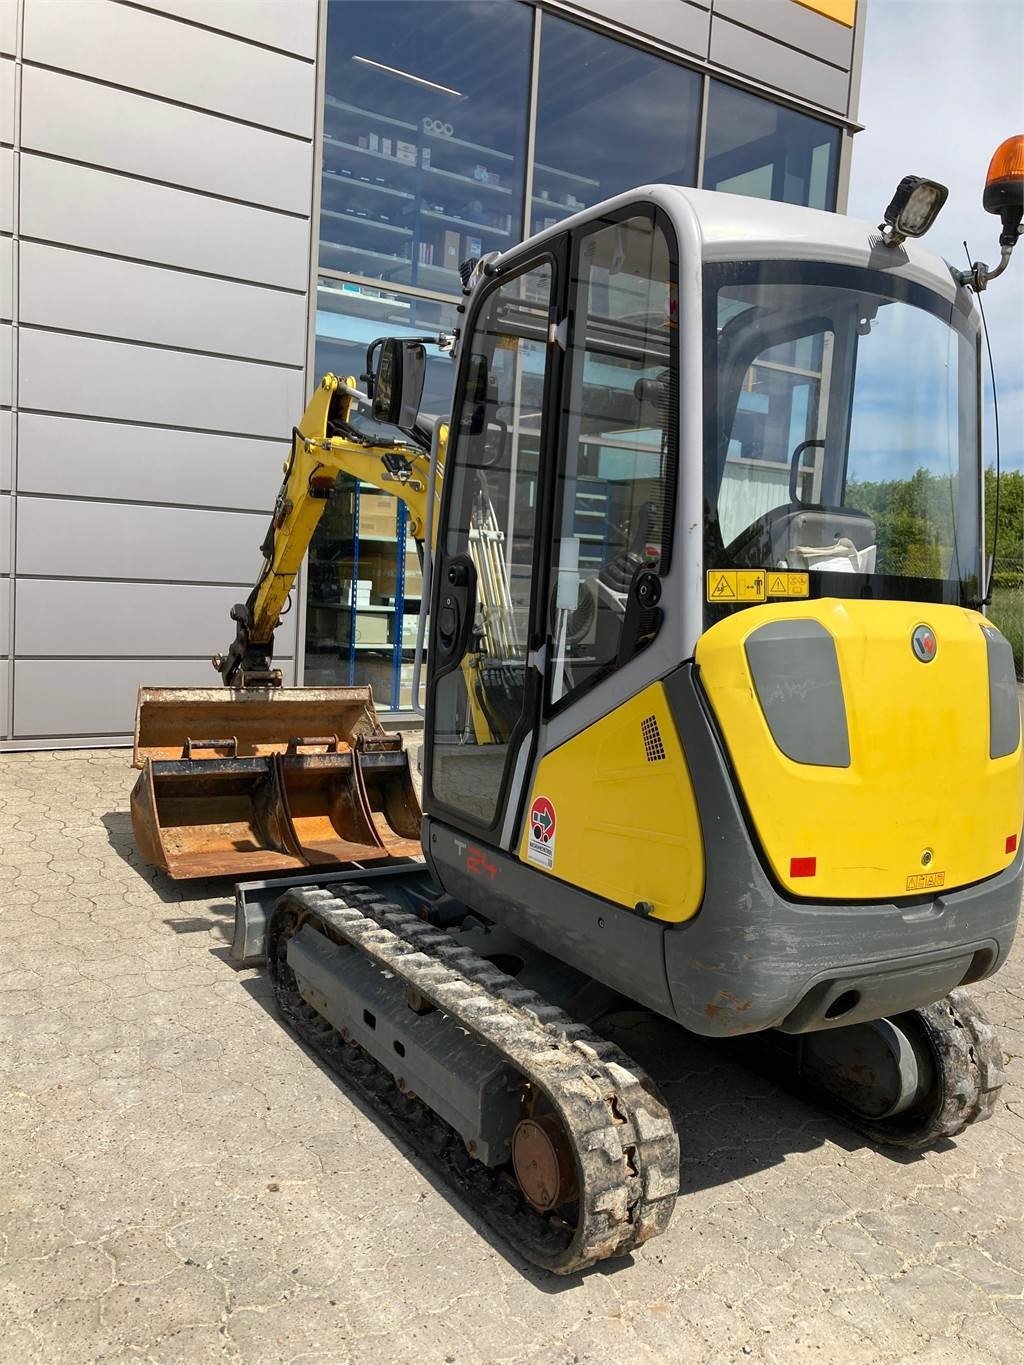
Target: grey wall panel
(6, 189)
(794, 24)
(83, 121)
(126, 217)
(287, 24)
(6, 617)
(65, 618)
(5, 534)
(6, 364)
(91, 459)
(8, 26)
(65, 538)
(6, 448)
(680, 23)
(7, 278)
(83, 376)
(94, 696)
(750, 54)
(159, 56)
(81, 292)
(6, 100)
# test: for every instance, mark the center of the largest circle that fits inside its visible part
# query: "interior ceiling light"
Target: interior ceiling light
(408, 76)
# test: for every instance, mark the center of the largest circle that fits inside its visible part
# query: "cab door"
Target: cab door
(487, 609)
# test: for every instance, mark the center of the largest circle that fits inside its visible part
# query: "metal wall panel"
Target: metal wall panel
(80, 120)
(89, 459)
(6, 364)
(750, 54)
(85, 697)
(6, 616)
(795, 24)
(80, 292)
(6, 100)
(65, 538)
(7, 278)
(6, 189)
(60, 618)
(147, 52)
(680, 23)
(8, 26)
(287, 24)
(5, 534)
(6, 448)
(90, 378)
(125, 217)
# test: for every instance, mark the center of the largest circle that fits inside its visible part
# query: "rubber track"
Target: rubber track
(968, 1062)
(624, 1138)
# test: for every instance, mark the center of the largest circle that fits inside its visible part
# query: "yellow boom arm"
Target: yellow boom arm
(323, 445)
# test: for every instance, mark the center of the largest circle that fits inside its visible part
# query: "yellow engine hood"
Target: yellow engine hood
(921, 805)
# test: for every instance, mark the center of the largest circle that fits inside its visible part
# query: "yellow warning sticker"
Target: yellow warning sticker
(783, 584)
(736, 585)
(925, 881)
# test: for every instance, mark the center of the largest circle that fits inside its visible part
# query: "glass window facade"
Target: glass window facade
(424, 144)
(754, 146)
(426, 128)
(608, 117)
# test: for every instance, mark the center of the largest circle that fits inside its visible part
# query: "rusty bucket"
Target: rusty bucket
(237, 783)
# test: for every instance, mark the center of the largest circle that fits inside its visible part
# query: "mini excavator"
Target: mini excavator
(715, 721)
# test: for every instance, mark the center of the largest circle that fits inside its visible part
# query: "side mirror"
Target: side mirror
(396, 371)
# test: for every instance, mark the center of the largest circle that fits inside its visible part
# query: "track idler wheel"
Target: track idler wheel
(910, 1080)
(543, 1160)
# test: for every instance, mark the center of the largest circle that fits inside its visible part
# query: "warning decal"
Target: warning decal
(540, 846)
(781, 584)
(736, 585)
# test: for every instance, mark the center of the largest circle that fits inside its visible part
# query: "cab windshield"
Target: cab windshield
(842, 432)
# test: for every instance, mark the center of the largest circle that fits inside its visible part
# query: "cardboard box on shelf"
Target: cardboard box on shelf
(450, 260)
(406, 151)
(377, 517)
(372, 628)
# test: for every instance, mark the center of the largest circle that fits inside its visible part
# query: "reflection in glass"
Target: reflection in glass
(423, 146)
(494, 467)
(609, 118)
(617, 476)
(758, 148)
(364, 586)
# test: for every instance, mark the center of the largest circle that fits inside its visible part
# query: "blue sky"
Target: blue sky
(942, 86)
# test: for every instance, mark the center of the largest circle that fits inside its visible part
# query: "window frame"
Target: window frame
(638, 208)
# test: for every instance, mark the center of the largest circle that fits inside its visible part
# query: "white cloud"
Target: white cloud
(941, 88)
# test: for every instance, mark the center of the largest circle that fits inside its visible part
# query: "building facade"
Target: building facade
(204, 204)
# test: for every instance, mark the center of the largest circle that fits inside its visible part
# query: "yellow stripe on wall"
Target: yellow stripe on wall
(842, 11)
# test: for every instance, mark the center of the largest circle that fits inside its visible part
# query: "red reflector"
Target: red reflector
(1011, 843)
(803, 867)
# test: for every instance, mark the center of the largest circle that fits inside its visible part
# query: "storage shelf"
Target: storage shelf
(412, 166)
(565, 175)
(367, 185)
(462, 222)
(333, 102)
(452, 141)
(366, 222)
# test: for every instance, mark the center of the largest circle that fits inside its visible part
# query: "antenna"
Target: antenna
(986, 600)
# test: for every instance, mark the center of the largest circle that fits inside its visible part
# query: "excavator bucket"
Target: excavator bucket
(239, 783)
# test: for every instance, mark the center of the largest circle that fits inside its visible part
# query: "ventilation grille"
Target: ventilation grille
(653, 745)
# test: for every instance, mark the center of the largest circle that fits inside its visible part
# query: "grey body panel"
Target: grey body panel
(796, 677)
(1003, 702)
(455, 1075)
(750, 957)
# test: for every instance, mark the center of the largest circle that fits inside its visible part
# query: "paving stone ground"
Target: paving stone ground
(180, 1181)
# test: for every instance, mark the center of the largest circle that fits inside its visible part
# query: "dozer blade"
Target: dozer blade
(238, 783)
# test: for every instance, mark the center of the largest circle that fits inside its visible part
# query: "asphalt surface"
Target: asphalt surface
(181, 1181)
